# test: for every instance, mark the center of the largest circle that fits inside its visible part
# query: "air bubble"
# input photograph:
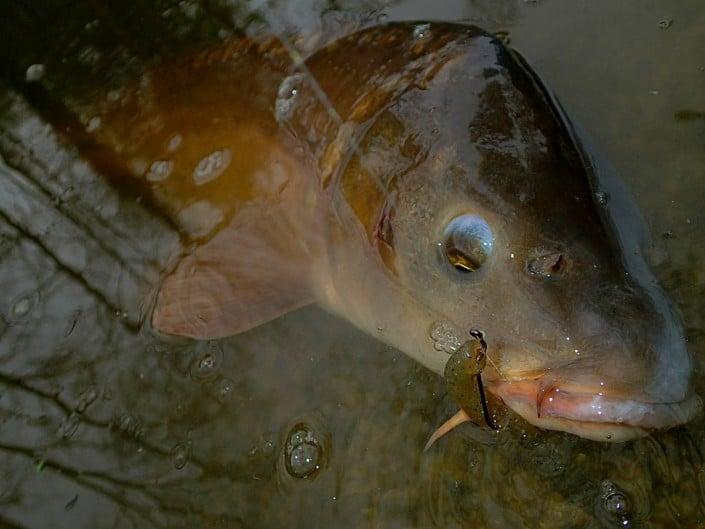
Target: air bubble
(223, 389)
(422, 31)
(180, 455)
(159, 170)
(304, 459)
(613, 509)
(616, 503)
(206, 363)
(34, 73)
(211, 167)
(21, 307)
(286, 96)
(93, 124)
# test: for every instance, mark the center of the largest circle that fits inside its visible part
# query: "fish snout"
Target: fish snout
(616, 369)
(630, 345)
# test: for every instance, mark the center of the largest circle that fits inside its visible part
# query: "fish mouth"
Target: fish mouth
(591, 413)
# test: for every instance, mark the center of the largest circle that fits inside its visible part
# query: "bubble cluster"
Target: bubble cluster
(445, 337)
(303, 452)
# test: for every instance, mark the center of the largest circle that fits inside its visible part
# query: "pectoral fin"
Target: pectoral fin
(251, 272)
(456, 420)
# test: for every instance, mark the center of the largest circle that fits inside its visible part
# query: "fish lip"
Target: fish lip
(592, 414)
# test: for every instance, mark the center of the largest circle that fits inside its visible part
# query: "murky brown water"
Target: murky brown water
(102, 425)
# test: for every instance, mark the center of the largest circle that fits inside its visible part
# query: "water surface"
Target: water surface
(103, 425)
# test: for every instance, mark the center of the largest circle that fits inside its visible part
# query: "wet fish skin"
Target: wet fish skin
(337, 181)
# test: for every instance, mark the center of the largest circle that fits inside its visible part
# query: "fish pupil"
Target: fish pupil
(460, 261)
(468, 243)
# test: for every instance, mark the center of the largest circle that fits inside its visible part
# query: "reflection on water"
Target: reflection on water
(306, 422)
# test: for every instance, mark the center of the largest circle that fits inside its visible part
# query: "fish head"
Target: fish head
(493, 218)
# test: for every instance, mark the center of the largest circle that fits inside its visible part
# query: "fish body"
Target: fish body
(418, 180)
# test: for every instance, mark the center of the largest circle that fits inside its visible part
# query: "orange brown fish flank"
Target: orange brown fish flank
(268, 49)
(202, 137)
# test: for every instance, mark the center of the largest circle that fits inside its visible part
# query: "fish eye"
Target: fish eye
(467, 243)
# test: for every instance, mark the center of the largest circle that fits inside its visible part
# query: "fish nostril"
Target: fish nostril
(558, 264)
(548, 265)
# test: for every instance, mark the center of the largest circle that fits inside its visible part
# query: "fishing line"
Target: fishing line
(480, 337)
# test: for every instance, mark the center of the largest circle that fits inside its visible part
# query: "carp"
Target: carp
(418, 180)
